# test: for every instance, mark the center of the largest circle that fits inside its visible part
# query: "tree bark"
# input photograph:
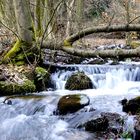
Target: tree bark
(26, 37)
(105, 29)
(51, 28)
(94, 53)
(80, 9)
(66, 45)
(7, 15)
(70, 4)
(39, 11)
(24, 20)
(104, 53)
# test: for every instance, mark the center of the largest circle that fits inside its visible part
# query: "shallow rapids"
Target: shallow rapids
(34, 119)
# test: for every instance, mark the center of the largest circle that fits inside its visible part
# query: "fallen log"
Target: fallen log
(66, 45)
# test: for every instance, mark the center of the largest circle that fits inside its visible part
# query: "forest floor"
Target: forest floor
(94, 41)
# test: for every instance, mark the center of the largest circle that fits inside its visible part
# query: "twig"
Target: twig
(9, 29)
(134, 19)
(43, 36)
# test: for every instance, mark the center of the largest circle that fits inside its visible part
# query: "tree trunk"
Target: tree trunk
(49, 9)
(80, 9)
(70, 4)
(99, 29)
(128, 34)
(7, 15)
(24, 20)
(66, 45)
(23, 46)
(39, 11)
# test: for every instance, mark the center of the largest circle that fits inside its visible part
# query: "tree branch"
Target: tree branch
(95, 53)
(106, 29)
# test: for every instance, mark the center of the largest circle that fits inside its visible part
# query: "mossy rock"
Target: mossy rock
(42, 79)
(9, 88)
(98, 124)
(79, 81)
(131, 106)
(72, 103)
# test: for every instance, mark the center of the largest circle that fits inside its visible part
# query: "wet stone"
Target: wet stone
(131, 106)
(99, 124)
(79, 81)
(72, 103)
(115, 122)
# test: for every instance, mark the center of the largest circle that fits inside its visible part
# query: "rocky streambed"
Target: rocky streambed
(105, 106)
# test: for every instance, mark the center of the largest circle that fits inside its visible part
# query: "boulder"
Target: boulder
(72, 103)
(116, 122)
(79, 81)
(99, 124)
(131, 106)
(107, 125)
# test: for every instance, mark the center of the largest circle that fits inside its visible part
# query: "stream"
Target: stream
(34, 119)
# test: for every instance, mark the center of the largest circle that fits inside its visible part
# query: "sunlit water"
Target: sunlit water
(34, 120)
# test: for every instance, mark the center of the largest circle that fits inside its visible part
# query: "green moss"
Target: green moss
(20, 56)
(40, 70)
(7, 88)
(67, 43)
(20, 63)
(127, 135)
(29, 86)
(134, 44)
(41, 73)
(16, 53)
(42, 78)
(16, 48)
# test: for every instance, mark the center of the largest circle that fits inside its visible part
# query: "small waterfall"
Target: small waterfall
(105, 76)
(33, 119)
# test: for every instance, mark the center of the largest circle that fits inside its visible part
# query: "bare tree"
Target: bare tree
(26, 35)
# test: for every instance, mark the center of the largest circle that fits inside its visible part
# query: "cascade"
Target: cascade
(34, 118)
(101, 75)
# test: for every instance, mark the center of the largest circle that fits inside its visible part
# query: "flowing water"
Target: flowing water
(33, 119)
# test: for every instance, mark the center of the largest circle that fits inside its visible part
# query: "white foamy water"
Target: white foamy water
(104, 76)
(34, 120)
